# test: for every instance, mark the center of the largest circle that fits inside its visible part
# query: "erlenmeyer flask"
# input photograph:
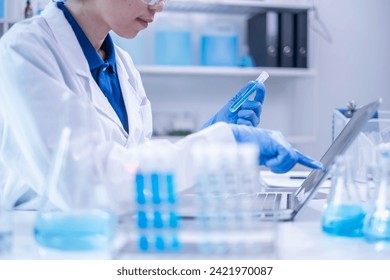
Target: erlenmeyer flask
(344, 213)
(74, 215)
(377, 223)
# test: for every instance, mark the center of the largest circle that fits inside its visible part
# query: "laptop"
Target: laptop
(284, 206)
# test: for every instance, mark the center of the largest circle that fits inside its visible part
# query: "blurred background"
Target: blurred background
(198, 54)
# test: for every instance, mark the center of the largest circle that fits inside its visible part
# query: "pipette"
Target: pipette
(261, 79)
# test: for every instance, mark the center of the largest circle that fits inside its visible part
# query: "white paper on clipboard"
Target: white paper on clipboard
(289, 181)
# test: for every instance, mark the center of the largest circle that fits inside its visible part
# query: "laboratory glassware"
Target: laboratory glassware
(81, 220)
(344, 213)
(28, 11)
(6, 218)
(6, 233)
(252, 88)
(377, 222)
(226, 204)
(157, 221)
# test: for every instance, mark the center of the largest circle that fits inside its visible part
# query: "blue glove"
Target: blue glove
(249, 112)
(275, 152)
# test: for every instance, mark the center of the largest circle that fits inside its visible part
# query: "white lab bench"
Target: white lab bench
(301, 239)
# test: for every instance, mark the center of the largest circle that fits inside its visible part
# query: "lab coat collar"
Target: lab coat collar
(67, 40)
(92, 56)
(70, 49)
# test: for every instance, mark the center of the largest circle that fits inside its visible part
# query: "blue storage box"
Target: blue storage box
(2, 8)
(173, 47)
(219, 50)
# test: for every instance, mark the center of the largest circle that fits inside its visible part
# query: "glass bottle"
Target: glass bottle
(28, 11)
(344, 213)
(377, 223)
(39, 8)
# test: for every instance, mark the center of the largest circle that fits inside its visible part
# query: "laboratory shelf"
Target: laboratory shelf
(225, 71)
(6, 24)
(235, 6)
(5, 20)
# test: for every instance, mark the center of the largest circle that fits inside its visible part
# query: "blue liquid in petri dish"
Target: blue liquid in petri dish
(377, 227)
(75, 232)
(344, 220)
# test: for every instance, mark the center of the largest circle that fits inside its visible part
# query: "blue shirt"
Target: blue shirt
(103, 71)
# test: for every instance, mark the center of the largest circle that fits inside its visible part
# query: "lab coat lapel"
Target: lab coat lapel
(128, 86)
(71, 51)
(102, 104)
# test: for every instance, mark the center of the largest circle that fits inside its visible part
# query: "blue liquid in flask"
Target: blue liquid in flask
(76, 231)
(344, 220)
(377, 227)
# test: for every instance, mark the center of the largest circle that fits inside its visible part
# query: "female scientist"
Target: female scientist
(61, 68)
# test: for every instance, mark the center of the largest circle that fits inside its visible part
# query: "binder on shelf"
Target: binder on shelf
(301, 39)
(263, 38)
(286, 39)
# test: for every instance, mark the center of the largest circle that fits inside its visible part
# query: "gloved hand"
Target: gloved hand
(247, 114)
(275, 152)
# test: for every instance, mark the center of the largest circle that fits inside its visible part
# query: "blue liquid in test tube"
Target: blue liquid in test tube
(261, 79)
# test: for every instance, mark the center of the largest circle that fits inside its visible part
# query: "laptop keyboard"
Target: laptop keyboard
(273, 201)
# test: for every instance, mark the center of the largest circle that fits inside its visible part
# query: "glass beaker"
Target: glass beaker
(74, 215)
(377, 223)
(6, 233)
(344, 213)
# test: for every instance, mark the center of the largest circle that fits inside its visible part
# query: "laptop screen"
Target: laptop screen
(339, 146)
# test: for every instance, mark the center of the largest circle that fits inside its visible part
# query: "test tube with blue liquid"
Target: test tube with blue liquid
(157, 220)
(250, 90)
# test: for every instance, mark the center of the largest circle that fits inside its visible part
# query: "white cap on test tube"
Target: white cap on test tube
(262, 77)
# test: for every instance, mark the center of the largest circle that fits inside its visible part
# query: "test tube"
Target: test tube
(261, 79)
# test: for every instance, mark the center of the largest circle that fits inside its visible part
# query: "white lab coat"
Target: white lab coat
(44, 77)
